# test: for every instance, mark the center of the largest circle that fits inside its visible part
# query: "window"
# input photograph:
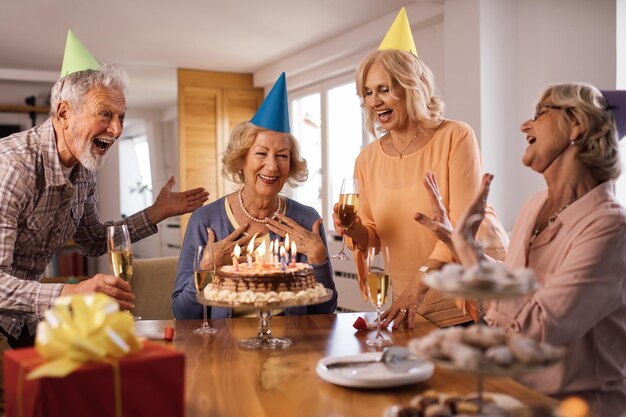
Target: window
(327, 122)
(135, 174)
(307, 128)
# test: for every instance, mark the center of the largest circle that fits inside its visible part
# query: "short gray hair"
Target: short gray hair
(73, 87)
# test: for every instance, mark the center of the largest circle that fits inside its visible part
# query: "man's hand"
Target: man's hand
(110, 285)
(169, 203)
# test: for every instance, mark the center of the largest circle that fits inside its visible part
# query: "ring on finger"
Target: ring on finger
(403, 311)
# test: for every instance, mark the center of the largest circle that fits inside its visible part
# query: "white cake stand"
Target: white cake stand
(264, 339)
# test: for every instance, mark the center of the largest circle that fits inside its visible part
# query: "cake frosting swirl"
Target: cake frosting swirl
(266, 284)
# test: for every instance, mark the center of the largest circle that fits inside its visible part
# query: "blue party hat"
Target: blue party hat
(274, 111)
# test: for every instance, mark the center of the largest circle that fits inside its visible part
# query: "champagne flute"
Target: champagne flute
(120, 253)
(348, 206)
(203, 272)
(378, 286)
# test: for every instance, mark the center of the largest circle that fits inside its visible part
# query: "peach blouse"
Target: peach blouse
(391, 192)
(580, 261)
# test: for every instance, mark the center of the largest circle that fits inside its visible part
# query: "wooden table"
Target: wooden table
(223, 380)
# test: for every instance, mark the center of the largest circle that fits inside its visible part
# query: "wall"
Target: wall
(15, 93)
(491, 58)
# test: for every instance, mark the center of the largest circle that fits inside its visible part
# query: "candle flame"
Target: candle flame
(283, 252)
(294, 250)
(251, 245)
(287, 240)
(261, 249)
(237, 250)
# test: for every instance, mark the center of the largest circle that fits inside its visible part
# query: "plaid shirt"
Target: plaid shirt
(40, 210)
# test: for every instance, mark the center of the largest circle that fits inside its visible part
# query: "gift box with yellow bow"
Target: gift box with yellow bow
(87, 360)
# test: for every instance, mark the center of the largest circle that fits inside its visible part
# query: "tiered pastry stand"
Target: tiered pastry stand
(434, 281)
(264, 339)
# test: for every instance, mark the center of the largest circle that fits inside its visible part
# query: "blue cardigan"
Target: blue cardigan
(184, 303)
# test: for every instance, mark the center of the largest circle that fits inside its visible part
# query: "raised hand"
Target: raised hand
(439, 224)
(170, 203)
(469, 222)
(309, 242)
(223, 249)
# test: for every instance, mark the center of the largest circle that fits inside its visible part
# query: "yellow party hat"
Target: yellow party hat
(76, 57)
(399, 35)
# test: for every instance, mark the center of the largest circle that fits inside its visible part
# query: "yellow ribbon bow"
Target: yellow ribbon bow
(80, 329)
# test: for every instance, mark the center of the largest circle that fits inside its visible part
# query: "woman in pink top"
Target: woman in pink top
(399, 97)
(573, 236)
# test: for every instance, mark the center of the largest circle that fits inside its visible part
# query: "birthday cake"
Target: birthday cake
(253, 284)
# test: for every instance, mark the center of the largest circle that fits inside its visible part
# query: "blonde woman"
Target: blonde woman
(399, 97)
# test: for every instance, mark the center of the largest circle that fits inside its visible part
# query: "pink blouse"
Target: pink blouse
(580, 262)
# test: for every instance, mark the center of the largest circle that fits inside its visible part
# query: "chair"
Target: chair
(153, 283)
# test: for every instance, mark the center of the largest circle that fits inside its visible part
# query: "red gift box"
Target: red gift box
(150, 382)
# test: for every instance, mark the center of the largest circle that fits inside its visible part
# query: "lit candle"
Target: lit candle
(294, 252)
(286, 248)
(250, 251)
(260, 251)
(236, 254)
(270, 252)
(283, 255)
(276, 249)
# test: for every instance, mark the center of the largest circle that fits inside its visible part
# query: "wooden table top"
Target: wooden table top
(224, 380)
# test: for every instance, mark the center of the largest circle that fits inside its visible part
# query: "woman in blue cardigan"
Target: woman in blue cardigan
(261, 156)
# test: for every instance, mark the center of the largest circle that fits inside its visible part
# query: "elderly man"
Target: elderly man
(48, 195)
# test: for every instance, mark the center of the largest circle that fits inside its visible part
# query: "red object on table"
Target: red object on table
(169, 334)
(360, 324)
(150, 382)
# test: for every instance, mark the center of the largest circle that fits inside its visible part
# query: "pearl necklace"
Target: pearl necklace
(250, 216)
(405, 148)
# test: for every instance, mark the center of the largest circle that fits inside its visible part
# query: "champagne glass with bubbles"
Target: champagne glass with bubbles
(378, 287)
(347, 210)
(203, 272)
(120, 252)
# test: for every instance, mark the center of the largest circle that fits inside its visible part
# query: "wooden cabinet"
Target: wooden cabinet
(209, 105)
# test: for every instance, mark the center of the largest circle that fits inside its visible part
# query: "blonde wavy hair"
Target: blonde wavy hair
(409, 72)
(598, 146)
(241, 140)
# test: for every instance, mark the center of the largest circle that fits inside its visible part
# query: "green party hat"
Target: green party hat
(77, 57)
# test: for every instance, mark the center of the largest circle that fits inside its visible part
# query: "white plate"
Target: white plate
(375, 375)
